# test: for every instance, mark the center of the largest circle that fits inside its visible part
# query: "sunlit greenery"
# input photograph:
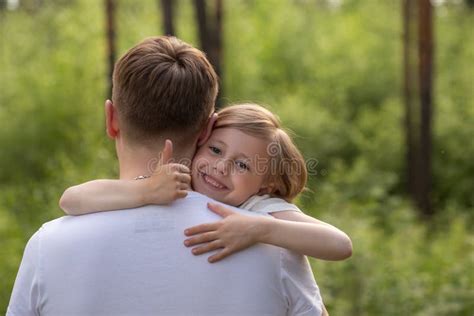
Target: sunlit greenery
(330, 69)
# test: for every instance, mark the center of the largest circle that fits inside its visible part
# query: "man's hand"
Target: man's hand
(233, 233)
(168, 182)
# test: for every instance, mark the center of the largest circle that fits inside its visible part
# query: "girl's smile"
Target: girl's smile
(215, 184)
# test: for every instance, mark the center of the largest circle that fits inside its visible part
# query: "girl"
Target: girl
(249, 162)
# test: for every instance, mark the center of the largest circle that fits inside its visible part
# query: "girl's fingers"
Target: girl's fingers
(213, 245)
(201, 228)
(183, 186)
(206, 237)
(184, 177)
(180, 168)
(181, 194)
(220, 255)
(166, 154)
(219, 209)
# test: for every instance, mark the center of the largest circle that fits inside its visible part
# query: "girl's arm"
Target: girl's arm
(168, 183)
(306, 235)
(291, 230)
(101, 195)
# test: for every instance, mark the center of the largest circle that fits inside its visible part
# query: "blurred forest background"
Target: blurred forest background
(333, 70)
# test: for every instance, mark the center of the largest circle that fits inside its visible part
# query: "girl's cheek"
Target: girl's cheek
(200, 164)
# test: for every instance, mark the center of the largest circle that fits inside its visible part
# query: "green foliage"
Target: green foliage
(331, 72)
(408, 272)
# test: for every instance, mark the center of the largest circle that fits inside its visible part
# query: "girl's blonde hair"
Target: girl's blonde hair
(286, 171)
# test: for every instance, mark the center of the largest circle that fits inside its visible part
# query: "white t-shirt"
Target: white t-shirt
(266, 204)
(133, 262)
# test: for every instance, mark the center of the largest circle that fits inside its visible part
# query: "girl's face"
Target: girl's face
(230, 167)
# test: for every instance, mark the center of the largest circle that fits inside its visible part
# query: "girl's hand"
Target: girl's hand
(169, 181)
(233, 233)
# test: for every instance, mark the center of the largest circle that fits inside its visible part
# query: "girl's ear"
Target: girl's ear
(266, 189)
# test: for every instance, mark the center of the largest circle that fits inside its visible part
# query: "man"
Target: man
(133, 262)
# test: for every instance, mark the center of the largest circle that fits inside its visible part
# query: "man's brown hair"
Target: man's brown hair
(163, 86)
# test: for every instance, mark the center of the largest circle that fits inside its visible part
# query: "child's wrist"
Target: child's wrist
(142, 192)
(263, 229)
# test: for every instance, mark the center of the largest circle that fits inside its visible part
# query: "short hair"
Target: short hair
(286, 170)
(163, 86)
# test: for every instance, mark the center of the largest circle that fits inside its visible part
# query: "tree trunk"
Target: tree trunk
(417, 92)
(426, 83)
(216, 49)
(408, 93)
(210, 36)
(110, 7)
(201, 18)
(167, 7)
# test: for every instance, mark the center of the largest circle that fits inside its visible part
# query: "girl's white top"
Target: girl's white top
(266, 204)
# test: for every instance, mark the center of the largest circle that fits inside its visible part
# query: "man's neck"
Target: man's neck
(133, 167)
(141, 161)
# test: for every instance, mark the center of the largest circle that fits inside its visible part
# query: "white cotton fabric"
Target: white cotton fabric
(133, 262)
(266, 204)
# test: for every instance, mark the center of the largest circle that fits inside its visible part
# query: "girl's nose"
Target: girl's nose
(221, 166)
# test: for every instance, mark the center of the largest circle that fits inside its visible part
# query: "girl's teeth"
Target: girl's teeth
(212, 182)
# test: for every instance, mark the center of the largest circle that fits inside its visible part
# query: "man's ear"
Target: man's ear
(111, 120)
(206, 132)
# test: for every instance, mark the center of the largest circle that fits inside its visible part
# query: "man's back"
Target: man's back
(133, 262)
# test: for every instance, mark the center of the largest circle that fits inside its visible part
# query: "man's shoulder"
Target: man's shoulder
(192, 207)
(54, 224)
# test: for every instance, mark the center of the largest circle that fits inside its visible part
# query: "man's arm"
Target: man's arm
(25, 296)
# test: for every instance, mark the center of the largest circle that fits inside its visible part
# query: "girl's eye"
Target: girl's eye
(242, 165)
(215, 150)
